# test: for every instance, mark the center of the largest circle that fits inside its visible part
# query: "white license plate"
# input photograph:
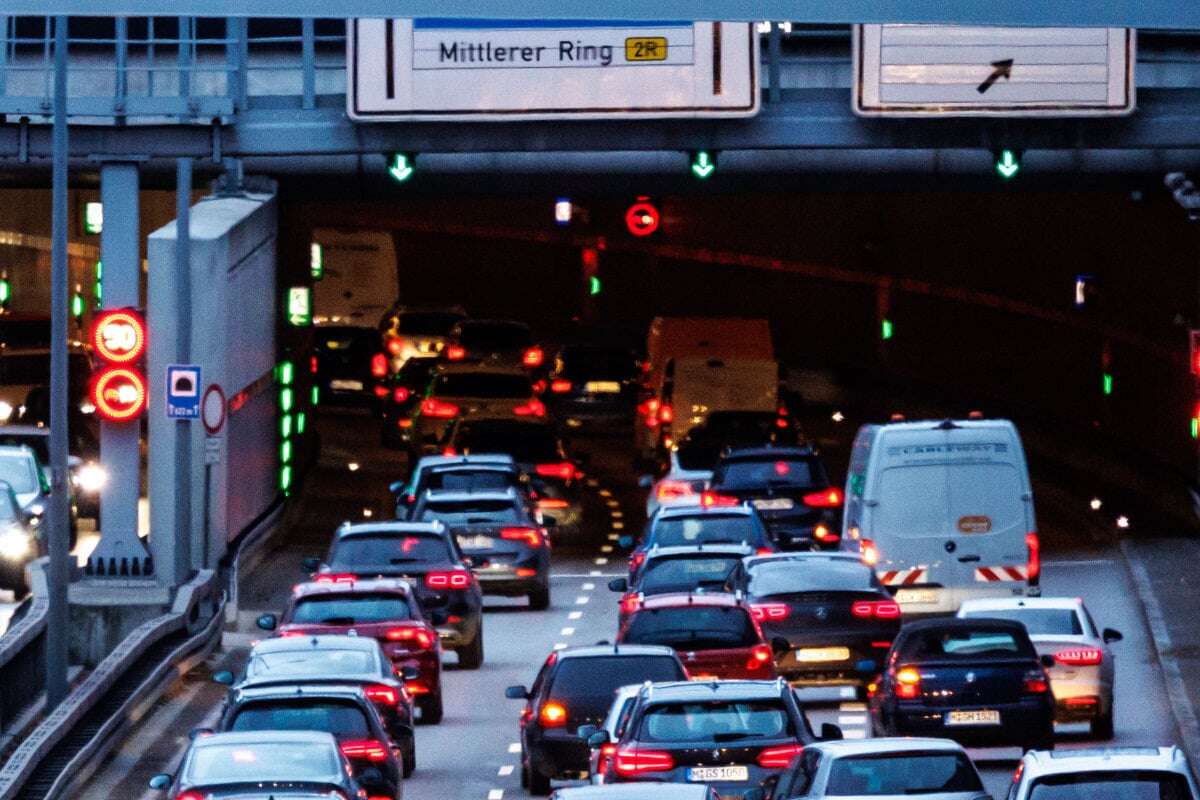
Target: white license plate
(602, 387)
(982, 716)
(346, 386)
(718, 774)
(475, 542)
(917, 596)
(774, 504)
(817, 655)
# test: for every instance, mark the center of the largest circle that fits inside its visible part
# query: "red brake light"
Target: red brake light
(395, 345)
(534, 408)
(765, 612)
(531, 536)
(712, 499)
(369, 749)
(418, 635)
(560, 385)
(553, 715)
(779, 757)
(455, 352)
(312, 364)
(379, 365)
(826, 498)
(533, 357)
(673, 490)
(335, 577)
(384, 695)
(440, 409)
(636, 560)
(381, 391)
(1080, 656)
(879, 609)
(400, 394)
(189, 796)
(1033, 566)
(666, 413)
(1036, 682)
(607, 751)
(630, 603)
(552, 503)
(628, 763)
(760, 656)
(455, 579)
(908, 683)
(564, 470)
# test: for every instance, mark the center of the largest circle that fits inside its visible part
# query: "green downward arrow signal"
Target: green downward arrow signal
(1007, 164)
(400, 169)
(703, 165)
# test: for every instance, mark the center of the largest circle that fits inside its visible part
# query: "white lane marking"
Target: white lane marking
(560, 646)
(587, 587)
(496, 794)
(567, 632)
(852, 707)
(608, 548)
(575, 615)
(514, 747)
(617, 514)
(1092, 562)
(612, 504)
(594, 572)
(506, 770)
(853, 734)
(613, 537)
(600, 562)
(582, 600)
(852, 719)
(593, 483)
(618, 526)
(604, 493)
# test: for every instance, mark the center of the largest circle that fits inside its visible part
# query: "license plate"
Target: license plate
(816, 655)
(707, 774)
(346, 386)
(773, 504)
(602, 387)
(979, 717)
(917, 596)
(476, 542)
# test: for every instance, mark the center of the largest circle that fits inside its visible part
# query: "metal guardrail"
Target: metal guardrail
(22, 659)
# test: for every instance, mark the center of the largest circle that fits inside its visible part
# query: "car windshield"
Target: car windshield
(343, 718)
(349, 609)
(894, 774)
(262, 762)
(1052, 621)
(965, 643)
(596, 363)
(19, 471)
(692, 627)
(592, 681)
(721, 721)
(706, 529)
(428, 323)
(495, 337)
(1115, 785)
(314, 661)
(765, 472)
(817, 575)
(374, 550)
(485, 385)
(466, 480)
(526, 443)
(458, 513)
(664, 575)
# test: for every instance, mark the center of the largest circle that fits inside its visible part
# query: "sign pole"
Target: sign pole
(184, 547)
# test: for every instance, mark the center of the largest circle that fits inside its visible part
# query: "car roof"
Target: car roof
(15, 449)
(1015, 603)
(301, 689)
(879, 746)
(396, 585)
(589, 651)
(753, 453)
(1101, 759)
(667, 512)
(455, 496)
(265, 737)
(506, 465)
(474, 368)
(814, 557)
(956, 624)
(706, 690)
(349, 529)
(685, 599)
(493, 322)
(941, 424)
(682, 550)
(291, 644)
(635, 791)
(427, 462)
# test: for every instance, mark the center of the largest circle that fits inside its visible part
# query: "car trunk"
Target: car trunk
(724, 663)
(484, 547)
(951, 683)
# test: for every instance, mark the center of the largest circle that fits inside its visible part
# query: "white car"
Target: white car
(1083, 672)
(1110, 773)
(933, 769)
(678, 487)
(614, 722)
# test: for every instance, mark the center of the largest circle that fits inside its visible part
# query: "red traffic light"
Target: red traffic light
(119, 336)
(119, 394)
(642, 218)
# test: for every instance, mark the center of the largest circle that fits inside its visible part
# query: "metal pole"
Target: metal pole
(57, 517)
(184, 545)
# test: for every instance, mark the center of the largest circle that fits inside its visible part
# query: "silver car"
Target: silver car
(935, 769)
(1082, 676)
(1109, 773)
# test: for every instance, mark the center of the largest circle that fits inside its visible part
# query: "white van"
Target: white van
(694, 387)
(943, 511)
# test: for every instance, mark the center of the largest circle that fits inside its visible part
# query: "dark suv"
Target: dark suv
(575, 687)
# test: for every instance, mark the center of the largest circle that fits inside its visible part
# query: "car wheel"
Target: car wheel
(431, 709)
(410, 755)
(1102, 727)
(539, 784)
(471, 656)
(524, 775)
(539, 598)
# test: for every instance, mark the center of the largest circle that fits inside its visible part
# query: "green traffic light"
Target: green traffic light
(1108, 383)
(886, 330)
(1007, 164)
(703, 164)
(77, 305)
(593, 286)
(401, 169)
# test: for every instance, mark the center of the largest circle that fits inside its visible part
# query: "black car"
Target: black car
(467, 475)
(689, 526)
(500, 537)
(736, 736)
(343, 711)
(425, 554)
(350, 365)
(405, 390)
(575, 687)
(592, 386)
(670, 570)
(334, 660)
(414, 332)
(978, 681)
(789, 488)
(494, 341)
(701, 447)
(830, 607)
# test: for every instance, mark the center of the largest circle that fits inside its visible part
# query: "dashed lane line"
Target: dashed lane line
(617, 514)
(582, 600)
(605, 493)
(618, 526)
(575, 615)
(514, 747)
(496, 794)
(612, 537)
(505, 771)
(608, 548)
(600, 562)
(567, 632)
(560, 645)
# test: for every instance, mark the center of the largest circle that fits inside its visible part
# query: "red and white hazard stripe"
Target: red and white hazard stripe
(903, 577)
(999, 574)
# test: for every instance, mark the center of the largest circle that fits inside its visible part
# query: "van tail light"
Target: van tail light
(768, 612)
(714, 500)
(534, 408)
(1036, 682)
(826, 498)
(760, 656)
(868, 552)
(395, 345)
(418, 636)
(668, 490)
(630, 603)
(564, 470)
(335, 577)
(878, 609)
(400, 394)
(379, 365)
(1033, 565)
(1090, 701)
(779, 757)
(368, 749)
(531, 536)
(553, 715)
(908, 683)
(636, 560)
(453, 579)
(533, 357)
(635, 761)
(560, 385)
(1080, 657)
(455, 352)
(383, 695)
(439, 409)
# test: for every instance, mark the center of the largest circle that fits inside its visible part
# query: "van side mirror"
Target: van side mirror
(1112, 635)
(224, 677)
(780, 646)
(160, 782)
(1047, 661)
(618, 585)
(516, 693)
(831, 732)
(311, 564)
(267, 622)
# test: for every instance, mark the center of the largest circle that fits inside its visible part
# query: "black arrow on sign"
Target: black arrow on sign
(1003, 69)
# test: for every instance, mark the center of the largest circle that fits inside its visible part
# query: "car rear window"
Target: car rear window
(20, 472)
(348, 609)
(597, 678)
(721, 721)
(965, 643)
(469, 481)
(594, 363)
(343, 718)
(471, 512)
(792, 577)
(384, 549)
(685, 574)
(692, 627)
(286, 664)
(485, 385)
(1061, 621)
(526, 443)
(499, 337)
(263, 762)
(775, 471)
(706, 529)
(1115, 785)
(902, 774)
(428, 323)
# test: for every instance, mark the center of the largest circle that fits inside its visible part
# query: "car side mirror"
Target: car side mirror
(549, 522)
(625, 542)
(598, 739)
(224, 677)
(618, 585)
(645, 481)
(831, 732)
(439, 616)
(585, 731)
(267, 622)
(160, 782)
(516, 693)
(198, 733)
(1111, 635)
(410, 673)
(780, 646)
(311, 564)
(1047, 661)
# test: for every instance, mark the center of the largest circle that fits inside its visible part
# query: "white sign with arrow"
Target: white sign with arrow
(959, 71)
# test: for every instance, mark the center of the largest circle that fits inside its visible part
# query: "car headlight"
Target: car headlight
(6, 411)
(14, 544)
(90, 478)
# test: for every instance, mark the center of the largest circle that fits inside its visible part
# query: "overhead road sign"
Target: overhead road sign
(489, 70)
(959, 71)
